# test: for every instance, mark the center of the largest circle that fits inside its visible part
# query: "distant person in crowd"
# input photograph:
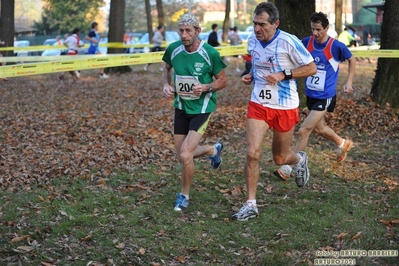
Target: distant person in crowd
(235, 39)
(198, 73)
(352, 31)
(346, 38)
(213, 36)
(157, 40)
(365, 35)
(248, 64)
(73, 43)
(60, 42)
(320, 89)
(126, 40)
(94, 40)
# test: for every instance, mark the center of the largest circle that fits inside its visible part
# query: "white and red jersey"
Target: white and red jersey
(73, 44)
(284, 51)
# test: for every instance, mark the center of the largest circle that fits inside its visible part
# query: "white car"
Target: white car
(51, 52)
(244, 35)
(22, 43)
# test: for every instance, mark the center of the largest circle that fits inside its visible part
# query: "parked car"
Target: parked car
(51, 52)
(50, 41)
(204, 36)
(250, 28)
(22, 43)
(244, 35)
(170, 36)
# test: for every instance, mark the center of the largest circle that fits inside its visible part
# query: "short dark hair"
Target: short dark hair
(160, 27)
(214, 26)
(270, 9)
(94, 24)
(320, 17)
(75, 31)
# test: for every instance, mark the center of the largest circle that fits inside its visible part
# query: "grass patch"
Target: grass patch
(129, 220)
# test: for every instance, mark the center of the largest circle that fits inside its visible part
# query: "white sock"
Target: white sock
(215, 151)
(186, 196)
(252, 202)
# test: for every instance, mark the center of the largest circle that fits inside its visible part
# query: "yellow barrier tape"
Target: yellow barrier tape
(82, 62)
(224, 51)
(62, 47)
(36, 48)
(71, 63)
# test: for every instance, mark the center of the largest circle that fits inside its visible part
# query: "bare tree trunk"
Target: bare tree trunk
(338, 16)
(294, 16)
(161, 16)
(7, 24)
(226, 20)
(294, 19)
(149, 19)
(385, 84)
(116, 30)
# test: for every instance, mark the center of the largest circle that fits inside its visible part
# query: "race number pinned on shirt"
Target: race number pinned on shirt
(316, 82)
(185, 87)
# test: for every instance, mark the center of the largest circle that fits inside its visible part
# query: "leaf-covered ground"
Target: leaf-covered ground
(95, 128)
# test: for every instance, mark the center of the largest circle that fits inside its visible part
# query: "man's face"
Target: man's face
(319, 32)
(188, 34)
(263, 30)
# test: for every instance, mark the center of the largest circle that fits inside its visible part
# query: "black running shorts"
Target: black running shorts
(321, 104)
(185, 122)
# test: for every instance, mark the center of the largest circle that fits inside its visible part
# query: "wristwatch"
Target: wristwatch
(287, 74)
(210, 87)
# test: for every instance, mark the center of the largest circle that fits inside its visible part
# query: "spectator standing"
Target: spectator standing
(198, 74)
(279, 58)
(60, 42)
(94, 40)
(235, 40)
(365, 35)
(320, 89)
(213, 36)
(157, 40)
(346, 38)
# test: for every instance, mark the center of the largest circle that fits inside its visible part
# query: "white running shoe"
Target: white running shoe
(104, 76)
(341, 154)
(247, 211)
(302, 170)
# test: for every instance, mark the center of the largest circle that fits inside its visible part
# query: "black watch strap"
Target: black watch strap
(287, 74)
